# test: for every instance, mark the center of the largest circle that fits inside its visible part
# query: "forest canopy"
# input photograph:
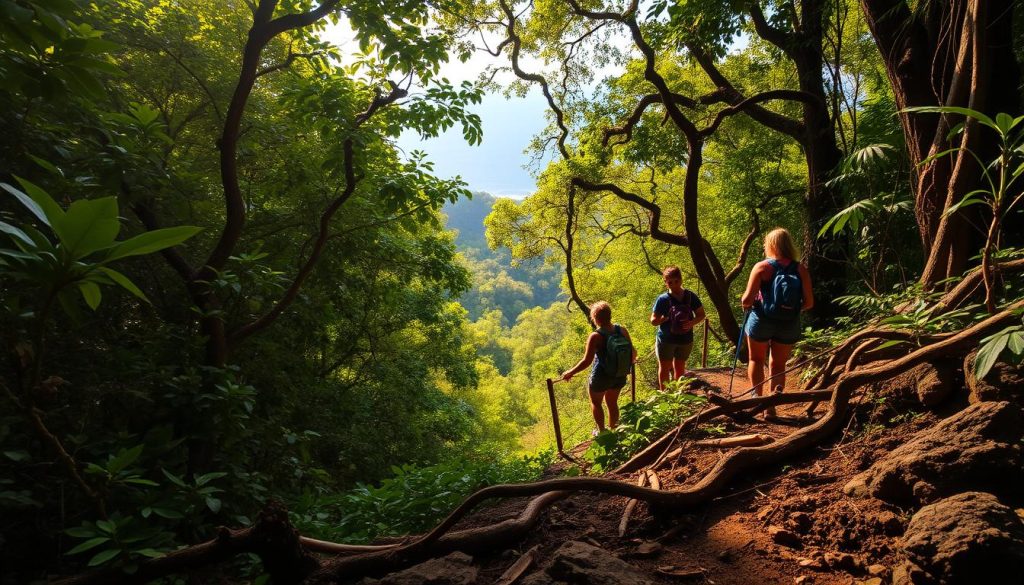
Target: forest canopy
(222, 282)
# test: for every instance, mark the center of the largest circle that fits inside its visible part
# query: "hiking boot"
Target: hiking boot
(777, 389)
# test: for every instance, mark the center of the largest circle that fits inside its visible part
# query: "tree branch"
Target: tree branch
(653, 209)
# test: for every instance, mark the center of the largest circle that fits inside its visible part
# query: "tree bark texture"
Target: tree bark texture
(946, 53)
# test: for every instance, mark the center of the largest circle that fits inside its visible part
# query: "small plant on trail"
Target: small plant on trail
(639, 422)
(1007, 345)
(414, 499)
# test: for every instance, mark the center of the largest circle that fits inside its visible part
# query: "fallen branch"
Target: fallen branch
(513, 573)
(630, 506)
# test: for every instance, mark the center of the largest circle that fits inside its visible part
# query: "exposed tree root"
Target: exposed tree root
(278, 544)
(272, 538)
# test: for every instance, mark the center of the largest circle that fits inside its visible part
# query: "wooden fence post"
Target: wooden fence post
(554, 416)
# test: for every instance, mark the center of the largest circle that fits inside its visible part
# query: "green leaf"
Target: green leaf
(1016, 342)
(955, 110)
(46, 165)
(208, 477)
(89, 225)
(89, 544)
(168, 513)
(80, 532)
(140, 481)
(123, 282)
(104, 556)
(91, 293)
(174, 479)
(213, 504)
(49, 206)
(27, 202)
(153, 241)
(106, 526)
(149, 552)
(988, 354)
(123, 459)
(19, 455)
(1005, 122)
(969, 199)
(16, 234)
(890, 343)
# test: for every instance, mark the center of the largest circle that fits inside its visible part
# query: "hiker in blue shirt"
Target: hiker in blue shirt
(779, 288)
(612, 351)
(675, 313)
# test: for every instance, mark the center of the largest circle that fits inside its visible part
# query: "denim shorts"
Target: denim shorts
(601, 382)
(666, 350)
(786, 331)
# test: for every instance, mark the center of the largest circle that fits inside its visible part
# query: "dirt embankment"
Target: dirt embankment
(907, 493)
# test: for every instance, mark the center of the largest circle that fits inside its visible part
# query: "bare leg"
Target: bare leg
(679, 367)
(779, 353)
(755, 368)
(611, 398)
(595, 409)
(664, 373)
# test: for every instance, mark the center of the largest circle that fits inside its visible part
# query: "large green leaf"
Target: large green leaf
(979, 116)
(19, 236)
(91, 293)
(153, 241)
(104, 556)
(89, 544)
(49, 206)
(123, 282)
(88, 225)
(989, 352)
(27, 202)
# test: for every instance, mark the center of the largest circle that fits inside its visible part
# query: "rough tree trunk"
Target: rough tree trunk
(946, 53)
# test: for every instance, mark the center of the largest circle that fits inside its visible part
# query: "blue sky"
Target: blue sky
(497, 165)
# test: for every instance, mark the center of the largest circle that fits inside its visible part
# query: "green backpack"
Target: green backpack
(618, 353)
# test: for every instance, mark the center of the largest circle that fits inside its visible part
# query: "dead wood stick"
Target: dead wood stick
(513, 573)
(652, 477)
(630, 505)
(737, 441)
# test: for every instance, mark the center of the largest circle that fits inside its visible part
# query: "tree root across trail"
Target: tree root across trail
(286, 561)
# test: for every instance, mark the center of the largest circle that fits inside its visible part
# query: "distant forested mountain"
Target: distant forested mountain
(497, 285)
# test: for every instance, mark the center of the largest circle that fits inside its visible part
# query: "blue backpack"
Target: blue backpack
(782, 296)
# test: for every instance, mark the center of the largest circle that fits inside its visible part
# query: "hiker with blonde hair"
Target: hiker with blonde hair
(778, 290)
(612, 353)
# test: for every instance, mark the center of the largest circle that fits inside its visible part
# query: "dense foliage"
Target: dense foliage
(222, 283)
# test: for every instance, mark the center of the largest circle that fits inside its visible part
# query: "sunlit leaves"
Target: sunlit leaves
(86, 228)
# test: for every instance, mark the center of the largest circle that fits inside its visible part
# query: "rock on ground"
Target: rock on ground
(934, 383)
(966, 538)
(577, 562)
(976, 449)
(454, 569)
(1003, 381)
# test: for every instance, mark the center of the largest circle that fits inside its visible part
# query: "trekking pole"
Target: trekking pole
(739, 344)
(632, 382)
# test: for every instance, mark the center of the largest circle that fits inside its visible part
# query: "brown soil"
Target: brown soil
(730, 539)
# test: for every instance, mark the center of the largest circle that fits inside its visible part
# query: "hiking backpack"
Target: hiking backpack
(784, 296)
(680, 313)
(618, 353)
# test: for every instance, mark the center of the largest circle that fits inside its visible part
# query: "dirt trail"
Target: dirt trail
(789, 524)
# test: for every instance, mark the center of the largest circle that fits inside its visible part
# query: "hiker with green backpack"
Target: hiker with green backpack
(778, 290)
(611, 350)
